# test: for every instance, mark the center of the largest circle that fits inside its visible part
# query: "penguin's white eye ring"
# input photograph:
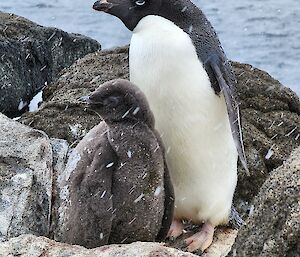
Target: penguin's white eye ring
(140, 2)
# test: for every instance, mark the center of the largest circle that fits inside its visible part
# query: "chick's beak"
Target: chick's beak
(102, 5)
(85, 99)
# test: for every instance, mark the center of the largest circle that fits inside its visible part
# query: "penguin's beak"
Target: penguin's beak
(102, 5)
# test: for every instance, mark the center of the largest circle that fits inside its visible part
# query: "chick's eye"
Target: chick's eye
(112, 101)
(140, 2)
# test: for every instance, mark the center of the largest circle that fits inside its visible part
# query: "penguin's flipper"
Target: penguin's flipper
(225, 83)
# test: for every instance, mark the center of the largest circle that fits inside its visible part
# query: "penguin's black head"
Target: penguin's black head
(119, 100)
(130, 12)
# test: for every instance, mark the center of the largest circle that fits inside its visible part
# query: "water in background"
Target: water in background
(265, 33)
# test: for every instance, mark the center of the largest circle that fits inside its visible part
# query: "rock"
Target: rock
(32, 56)
(223, 241)
(274, 227)
(29, 245)
(270, 113)
(270, 119)
(60, 150)
(25, 180)
(62, 115)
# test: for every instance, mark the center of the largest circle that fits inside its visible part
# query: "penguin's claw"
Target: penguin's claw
(175, 230)
(201, 240)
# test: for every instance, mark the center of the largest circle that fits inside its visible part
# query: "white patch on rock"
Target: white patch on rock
(22, 105)
(36, 100)
(77, 130)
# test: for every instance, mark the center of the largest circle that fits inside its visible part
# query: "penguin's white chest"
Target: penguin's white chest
(191, 118)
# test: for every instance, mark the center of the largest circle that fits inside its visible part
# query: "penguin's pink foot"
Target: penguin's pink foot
(176, 229)
(201, 240)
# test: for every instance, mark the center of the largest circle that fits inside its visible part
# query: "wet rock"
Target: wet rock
(32, 56)
(29, 245)
(25, 180)
(274, 227)
(270, 113)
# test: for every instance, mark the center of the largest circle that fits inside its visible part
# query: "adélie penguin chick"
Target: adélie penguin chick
(118, 182)
(176, 59)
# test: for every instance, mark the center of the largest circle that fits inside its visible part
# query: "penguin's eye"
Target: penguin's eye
(140, 2)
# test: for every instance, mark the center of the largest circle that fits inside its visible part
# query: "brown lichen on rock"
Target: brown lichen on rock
(62, 115)
(270, 120)
(274, 227)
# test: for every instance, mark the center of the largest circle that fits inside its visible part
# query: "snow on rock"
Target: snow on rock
(35, 102)
(21, 105)
(77, 131)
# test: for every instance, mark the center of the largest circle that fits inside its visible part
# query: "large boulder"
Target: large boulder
(62, 115)
(274, 227)
(25, 180)
(31, 56)
(270, 120)
(60, 149)
(29, 245)
(270, 113)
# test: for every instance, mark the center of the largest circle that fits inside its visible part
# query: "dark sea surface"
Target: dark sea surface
(264, 33)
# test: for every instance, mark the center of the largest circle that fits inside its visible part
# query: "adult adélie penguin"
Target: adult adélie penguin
(178, 62)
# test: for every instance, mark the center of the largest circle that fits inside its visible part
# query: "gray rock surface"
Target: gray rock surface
(29, 245)
(60, 150)
(271, 126)
(25, 180)
(270, 113)
(32, 56)
(274, 227)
